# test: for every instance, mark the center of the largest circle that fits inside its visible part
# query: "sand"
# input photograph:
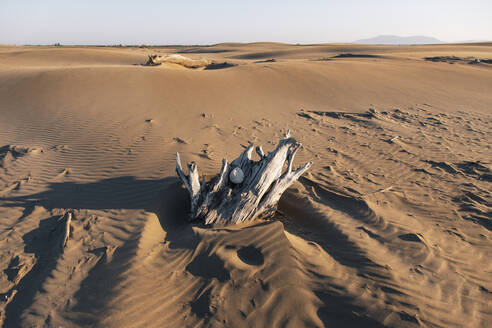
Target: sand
(390, 227)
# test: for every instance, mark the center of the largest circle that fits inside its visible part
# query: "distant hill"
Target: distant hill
(394, 39)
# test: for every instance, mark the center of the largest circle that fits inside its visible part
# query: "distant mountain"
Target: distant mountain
(395, 39)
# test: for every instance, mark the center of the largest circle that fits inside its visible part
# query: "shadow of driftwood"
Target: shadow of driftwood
(302, 219)
(338, 308)
(44, 242)
(316, 226)
(96, 290)
(170, 201)
(219, 65)
(173, 216)
(125, 192)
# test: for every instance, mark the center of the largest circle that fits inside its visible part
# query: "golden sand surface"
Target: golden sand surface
(391, 226)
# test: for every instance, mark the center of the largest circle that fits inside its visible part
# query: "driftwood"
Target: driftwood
(152, 61)
(156, 60)
(258, 188)
(66, 229)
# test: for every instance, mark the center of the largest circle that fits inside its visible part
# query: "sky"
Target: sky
(189, 22)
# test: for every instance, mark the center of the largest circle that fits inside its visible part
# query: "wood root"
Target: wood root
(221, 201)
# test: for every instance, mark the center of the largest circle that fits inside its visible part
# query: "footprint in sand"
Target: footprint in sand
(9, 153)
(216, 128)
(207, 152)
(237, 129)
(19, 266)
(251, 255)
(60, 148)
(65, 172)
(410, 237)
(15, 185)
(181, 141)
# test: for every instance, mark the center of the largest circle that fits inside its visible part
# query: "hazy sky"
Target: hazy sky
(214, 21)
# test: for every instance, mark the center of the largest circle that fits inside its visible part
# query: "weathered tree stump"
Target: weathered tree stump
(245, 189)
(156, 60)
(67, 218)
(153, 61)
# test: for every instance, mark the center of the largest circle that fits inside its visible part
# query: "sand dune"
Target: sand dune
(390, 227)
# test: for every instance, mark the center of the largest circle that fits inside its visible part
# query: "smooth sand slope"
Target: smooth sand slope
(390, 227)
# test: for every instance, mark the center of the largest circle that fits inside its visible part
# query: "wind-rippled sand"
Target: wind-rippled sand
(390, 227)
